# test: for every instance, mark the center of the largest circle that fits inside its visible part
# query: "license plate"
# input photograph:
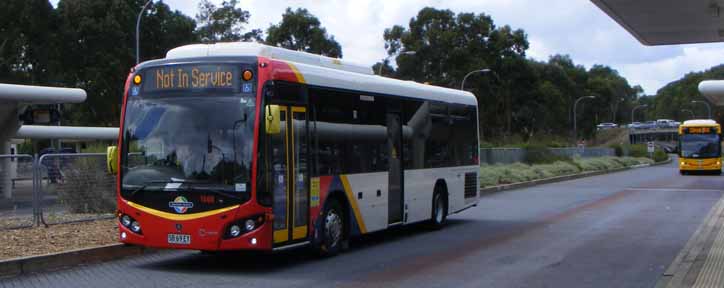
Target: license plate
(183, 239)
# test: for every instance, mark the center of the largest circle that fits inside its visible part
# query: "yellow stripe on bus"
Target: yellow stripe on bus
(298, 74)
(180, 217)
(353, 203)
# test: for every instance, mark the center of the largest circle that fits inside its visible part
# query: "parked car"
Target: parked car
(649, 125)
(635, 125)
(664, 123)
(604, 126)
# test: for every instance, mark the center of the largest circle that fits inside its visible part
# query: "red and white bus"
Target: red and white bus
(241, 146)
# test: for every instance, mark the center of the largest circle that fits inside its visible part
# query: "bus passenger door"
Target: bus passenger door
(289, 169)
(394, 144)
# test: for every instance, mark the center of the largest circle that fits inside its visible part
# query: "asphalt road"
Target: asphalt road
(615, 230)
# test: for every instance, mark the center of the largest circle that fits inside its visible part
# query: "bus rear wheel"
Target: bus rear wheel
(439, 211)
(333, 227)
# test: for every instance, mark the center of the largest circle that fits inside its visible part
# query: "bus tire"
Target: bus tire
(332, 229)
(439, 210)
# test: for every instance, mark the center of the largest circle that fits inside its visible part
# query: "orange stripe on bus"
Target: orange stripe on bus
(353, 203)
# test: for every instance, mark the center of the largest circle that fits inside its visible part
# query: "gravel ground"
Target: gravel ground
(57, 238)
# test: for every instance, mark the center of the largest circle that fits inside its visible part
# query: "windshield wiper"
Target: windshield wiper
(192, 185)
(144, 185)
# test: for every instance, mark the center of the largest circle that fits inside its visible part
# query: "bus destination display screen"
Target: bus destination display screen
(699, 130)
(192, 77)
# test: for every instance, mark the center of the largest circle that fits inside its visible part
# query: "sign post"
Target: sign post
(650, 148)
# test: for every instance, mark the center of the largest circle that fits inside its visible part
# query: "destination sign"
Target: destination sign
(182, 77)
(700, 130)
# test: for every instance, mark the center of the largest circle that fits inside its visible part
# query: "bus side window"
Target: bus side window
(351, 133)
(437, 146)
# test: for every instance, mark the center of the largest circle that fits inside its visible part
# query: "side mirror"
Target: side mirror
(272, 116)
(112, 159)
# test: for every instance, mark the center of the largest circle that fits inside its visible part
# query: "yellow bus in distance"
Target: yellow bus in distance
(700, 147)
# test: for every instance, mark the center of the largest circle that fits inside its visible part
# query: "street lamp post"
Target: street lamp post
(708, 107)
(633, 111)
(138, 28)
(379, 70)
(690, 112)
(614, 109)
(462, 86)
(575, 105)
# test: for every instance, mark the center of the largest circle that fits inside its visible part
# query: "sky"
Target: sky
(573, 27)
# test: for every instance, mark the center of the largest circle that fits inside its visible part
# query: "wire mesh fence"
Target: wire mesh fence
(75, 187)
(17, 195)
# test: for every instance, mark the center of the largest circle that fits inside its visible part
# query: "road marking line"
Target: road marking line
(674, 189)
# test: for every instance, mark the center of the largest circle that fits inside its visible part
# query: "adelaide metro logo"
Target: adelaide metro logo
(180, 204)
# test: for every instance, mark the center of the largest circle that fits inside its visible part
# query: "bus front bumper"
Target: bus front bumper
(699, 164)
(209, 233)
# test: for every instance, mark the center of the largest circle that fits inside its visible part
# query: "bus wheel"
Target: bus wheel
(332, 229)
(439, 211)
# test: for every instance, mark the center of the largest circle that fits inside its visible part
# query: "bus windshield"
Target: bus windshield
(700, 146)
(202, 139)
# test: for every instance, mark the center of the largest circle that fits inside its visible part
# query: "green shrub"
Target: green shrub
(517, 172)
(559, 168)
(617, 148)
(86, 187)
(660, 155)
(598, 164)
(491, 175)
(638, 150)
(627, 161)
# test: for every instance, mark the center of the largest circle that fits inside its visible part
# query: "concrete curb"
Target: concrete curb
(506, 187)
(55, 261)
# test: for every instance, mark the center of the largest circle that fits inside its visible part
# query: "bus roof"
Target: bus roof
(327, 72)
(700, 122)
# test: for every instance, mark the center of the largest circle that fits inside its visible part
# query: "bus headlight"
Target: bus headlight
(136, 227)
(243, 226)
(130, 223)
(126, 220)
(234, 231)
(249, 224)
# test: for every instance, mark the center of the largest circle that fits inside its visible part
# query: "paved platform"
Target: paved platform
(701, 262)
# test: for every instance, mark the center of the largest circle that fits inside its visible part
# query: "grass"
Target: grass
(499, 174)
